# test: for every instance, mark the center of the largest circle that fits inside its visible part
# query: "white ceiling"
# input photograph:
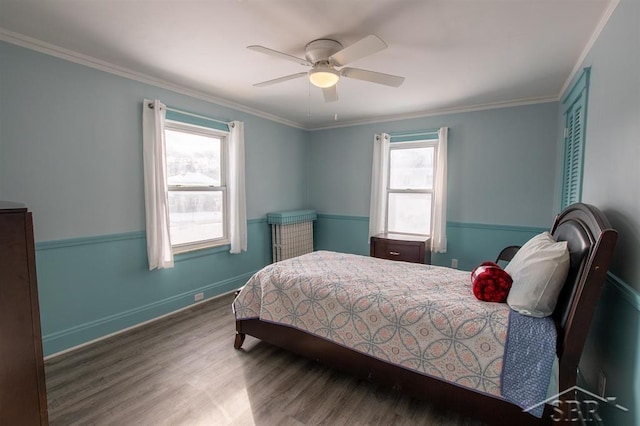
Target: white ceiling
(455, 54)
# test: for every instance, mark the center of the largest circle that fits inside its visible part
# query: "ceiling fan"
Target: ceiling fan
(324, 56)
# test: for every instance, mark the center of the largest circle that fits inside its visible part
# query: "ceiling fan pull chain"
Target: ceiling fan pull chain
(308, 98)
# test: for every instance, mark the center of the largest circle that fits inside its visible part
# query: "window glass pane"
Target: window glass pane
(192, 159)
(411, 168)
(409, 213)
(195, 216)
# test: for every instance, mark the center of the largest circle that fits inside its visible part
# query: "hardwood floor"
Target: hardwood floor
(183, 370)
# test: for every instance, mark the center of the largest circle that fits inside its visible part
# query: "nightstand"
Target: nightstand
(407, 248)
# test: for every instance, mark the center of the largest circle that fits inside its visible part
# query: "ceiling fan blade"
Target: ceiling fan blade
(280, 79)
(372, 76)
(330, 93)
(280, 55)
(364, 47)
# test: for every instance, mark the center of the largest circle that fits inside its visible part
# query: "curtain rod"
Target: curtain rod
(417, 133)
(228, 123)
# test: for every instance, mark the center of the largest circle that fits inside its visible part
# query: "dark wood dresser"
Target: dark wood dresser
(23, 397)
(407, 248)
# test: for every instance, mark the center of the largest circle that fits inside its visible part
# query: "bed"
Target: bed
(415, 328)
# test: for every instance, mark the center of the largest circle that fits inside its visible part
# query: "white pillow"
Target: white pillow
(539, 269)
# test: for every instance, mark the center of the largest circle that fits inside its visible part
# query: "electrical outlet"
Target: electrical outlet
(198, 296)
(602, 384)
(454, 263)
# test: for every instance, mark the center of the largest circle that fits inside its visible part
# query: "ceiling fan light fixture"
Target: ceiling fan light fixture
(324, 77)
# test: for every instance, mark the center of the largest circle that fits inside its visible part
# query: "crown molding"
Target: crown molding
(91, 62)
(437, 112)
(596, 33)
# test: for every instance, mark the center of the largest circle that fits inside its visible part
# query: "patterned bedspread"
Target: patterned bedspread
(424, 318)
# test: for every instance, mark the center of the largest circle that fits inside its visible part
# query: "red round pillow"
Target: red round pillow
(490, 282)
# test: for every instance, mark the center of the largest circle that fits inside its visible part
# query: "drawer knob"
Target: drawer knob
(394, 253)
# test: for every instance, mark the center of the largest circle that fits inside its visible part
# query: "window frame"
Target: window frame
(223, 136)
(426, 143)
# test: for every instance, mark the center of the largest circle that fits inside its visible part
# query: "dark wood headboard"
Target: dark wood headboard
(591, 241)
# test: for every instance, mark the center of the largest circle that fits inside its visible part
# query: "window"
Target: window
(197, 186)
(575, 105)
(410, 187)
(194, 193)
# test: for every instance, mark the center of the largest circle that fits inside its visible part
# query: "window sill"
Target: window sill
(205, 245)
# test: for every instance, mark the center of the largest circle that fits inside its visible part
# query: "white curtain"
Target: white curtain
(155, 185)
(380, 170)
(237, 196)
(439, 222)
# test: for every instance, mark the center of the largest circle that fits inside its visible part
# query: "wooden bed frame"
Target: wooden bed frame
(590, 240)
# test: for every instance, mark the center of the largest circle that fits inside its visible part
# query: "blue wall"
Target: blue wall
(611, 180)
(501, 174)
(71, 147)
(71, 150)
(90, 287)
(469, 243)
(501, 165)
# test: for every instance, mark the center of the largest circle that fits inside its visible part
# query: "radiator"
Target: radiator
(291, 233)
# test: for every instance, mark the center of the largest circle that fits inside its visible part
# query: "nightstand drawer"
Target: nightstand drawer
(400, 247)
